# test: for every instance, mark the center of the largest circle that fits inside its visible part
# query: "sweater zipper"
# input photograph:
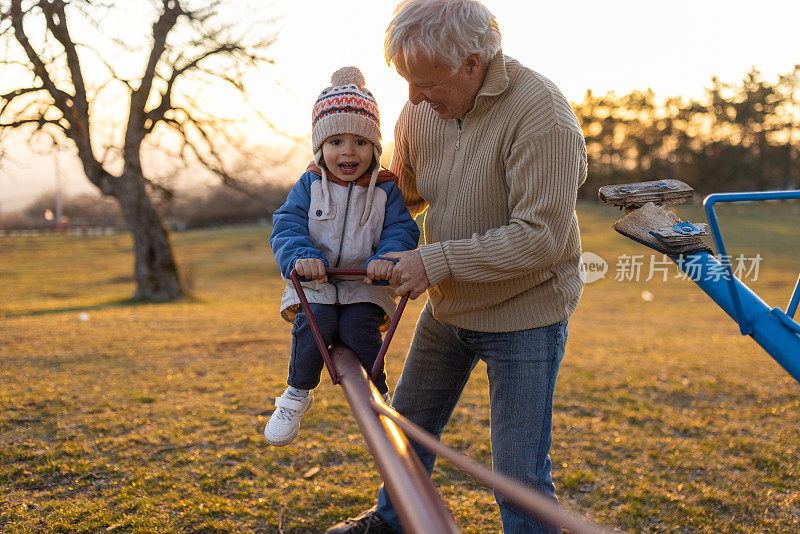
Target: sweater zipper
(460, 124)
(341, 237)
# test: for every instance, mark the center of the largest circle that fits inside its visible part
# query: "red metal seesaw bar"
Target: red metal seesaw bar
(416, 501)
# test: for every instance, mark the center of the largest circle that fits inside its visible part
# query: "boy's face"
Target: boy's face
(347, 156)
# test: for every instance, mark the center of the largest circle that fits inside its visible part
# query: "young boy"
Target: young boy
(343, 212)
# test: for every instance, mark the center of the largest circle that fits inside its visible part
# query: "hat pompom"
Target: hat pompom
(348, 75)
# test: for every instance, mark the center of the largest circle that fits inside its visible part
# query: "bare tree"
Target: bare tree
(190, 42)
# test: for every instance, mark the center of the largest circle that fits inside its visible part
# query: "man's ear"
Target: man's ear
(473, 64)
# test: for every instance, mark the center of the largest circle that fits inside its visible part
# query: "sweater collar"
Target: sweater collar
(494, 84)
(363, 181)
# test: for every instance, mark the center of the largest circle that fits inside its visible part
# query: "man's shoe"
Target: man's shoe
(370, 522)
(284, 424)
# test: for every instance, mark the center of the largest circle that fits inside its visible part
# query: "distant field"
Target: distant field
(118, 416)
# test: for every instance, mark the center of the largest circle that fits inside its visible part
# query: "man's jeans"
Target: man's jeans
(522, 367)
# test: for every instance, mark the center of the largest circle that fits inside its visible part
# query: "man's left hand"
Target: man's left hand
(408, 274)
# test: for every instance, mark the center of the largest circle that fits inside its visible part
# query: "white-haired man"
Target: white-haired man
(495, 154)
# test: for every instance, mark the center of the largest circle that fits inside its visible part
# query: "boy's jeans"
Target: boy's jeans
(356, 325)
(522, 367)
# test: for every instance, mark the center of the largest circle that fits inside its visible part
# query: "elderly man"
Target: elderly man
(494, 152)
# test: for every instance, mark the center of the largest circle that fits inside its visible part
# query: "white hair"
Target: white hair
(444, 31)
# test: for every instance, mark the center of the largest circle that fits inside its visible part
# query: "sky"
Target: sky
(673, 47)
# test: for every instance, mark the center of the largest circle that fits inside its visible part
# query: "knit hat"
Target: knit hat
(346, 107)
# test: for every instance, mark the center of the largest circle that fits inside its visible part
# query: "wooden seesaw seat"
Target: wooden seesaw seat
(648, 223)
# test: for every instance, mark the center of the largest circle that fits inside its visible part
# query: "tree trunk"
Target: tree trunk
(154, 267)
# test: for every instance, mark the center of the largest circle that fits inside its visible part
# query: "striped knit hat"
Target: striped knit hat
(346, 107)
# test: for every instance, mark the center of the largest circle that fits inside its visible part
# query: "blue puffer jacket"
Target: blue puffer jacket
(309, 225)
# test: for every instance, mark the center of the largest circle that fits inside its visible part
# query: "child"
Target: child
(343, 212)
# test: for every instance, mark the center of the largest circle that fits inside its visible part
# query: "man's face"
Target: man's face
(450, 95)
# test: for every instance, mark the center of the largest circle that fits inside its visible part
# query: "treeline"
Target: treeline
(738, 137)
(222, 205)
(216, 206)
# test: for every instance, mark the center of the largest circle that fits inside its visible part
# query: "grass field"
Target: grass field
(148, 417)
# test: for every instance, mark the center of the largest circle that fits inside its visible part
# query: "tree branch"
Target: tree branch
(108, 66)
(166, 21)
(166, 192)
(39, 121)
(62, 99)
(8, 97)
(57, 24)
(158, 113)
(215, 164)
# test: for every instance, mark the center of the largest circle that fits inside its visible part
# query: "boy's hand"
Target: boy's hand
(379, 270)
(312, 268)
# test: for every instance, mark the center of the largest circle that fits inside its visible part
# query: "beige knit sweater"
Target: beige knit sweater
(502, 245)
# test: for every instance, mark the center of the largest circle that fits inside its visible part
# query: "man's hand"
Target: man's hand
(408, 274)
(379, 270)
(312, 268)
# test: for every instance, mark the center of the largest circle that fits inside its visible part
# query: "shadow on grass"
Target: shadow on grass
(116, 303)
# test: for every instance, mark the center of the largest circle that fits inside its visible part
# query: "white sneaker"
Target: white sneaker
(284, 423)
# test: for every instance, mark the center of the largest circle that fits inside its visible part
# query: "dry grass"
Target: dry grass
(148, 418)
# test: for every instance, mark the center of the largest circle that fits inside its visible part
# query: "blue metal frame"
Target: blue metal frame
(741, 317)
(777, 334)
(771, 328)
(791, 308)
